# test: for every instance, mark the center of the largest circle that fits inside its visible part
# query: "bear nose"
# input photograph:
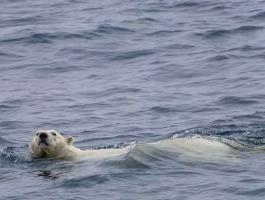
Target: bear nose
(43, 136)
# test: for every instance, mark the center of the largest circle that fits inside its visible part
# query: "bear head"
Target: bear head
(50, 144)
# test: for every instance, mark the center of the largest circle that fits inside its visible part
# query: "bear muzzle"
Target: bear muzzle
(43, 139)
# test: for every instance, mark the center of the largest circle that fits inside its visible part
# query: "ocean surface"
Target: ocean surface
(112, 72)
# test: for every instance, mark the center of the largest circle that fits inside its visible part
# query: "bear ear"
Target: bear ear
(70, 140)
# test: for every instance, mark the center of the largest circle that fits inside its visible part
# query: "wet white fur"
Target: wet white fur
(197, 148)
(62, 148)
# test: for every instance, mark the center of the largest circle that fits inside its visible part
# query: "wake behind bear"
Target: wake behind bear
(51, 144)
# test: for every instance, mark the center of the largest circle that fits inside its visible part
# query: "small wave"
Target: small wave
(178, 46)
(259, 15)
(218, 58)
(125, 90)
(48, 38)
(226, 32)
(257, 192)
(234, 100)
(147, 19)
(55, 68)
(220, 7)
(23, 21)
(33, 38)
(251, 48)
(248, 28)
(187, 4)
(132, 55)
(160, 109)
(5, 107)
(163, 33)
(85, 182)
(108, 29)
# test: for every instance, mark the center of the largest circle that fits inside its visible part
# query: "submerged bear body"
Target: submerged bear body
(51, 144)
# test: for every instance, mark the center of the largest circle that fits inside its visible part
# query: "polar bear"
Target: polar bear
(51, 144)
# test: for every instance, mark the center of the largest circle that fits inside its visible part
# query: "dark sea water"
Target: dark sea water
(112, 72)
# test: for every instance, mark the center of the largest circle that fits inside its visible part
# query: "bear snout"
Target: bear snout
(43, 139)
(43, 136)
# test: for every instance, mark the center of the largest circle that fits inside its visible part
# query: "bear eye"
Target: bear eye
(54, 134)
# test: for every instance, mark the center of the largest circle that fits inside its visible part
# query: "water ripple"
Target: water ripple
(86, 182)
(108, 29)
(132, 55)
(234, 100)
(259, 15)
(48, 38)
(212, 34)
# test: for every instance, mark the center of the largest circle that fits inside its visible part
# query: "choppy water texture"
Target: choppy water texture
(113, 72)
